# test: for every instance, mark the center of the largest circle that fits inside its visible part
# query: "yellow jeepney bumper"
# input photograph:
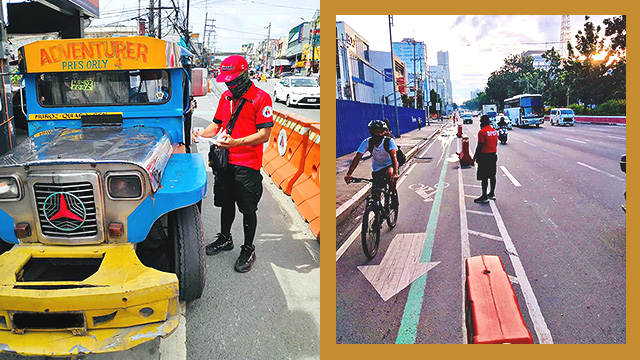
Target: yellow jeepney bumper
(119, 306)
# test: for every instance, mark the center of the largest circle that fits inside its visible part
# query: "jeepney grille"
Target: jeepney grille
(81, 190)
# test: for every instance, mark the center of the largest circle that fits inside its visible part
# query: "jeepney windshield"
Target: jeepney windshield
(103, 88)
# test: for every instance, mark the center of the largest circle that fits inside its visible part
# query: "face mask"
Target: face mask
(376, 137)
(239, 85)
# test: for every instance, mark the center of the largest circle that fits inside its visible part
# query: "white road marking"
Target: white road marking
(511, 177)
(485, 235)
(471, 196)
(479, 212)
(464, 245)
(427, 149)
(473, 185)
(406, 173)
(347, 243)
(600, 171)
(528, 143)
(574, 140)
(399, 267)
(617, 137)
(539, 324)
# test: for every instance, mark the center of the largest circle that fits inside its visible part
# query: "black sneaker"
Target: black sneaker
(246, 259)
(222, 242)
(491, 196)
(481, 200)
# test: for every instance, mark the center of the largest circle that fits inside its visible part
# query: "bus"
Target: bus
(525, 109)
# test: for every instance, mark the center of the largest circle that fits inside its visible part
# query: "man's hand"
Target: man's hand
(226, 142)
(195, 134)
(347, 179)
(395, 176)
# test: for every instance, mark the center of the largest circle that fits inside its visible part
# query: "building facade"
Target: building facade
(414, 55)
(538, 61)
(383, 83)
(355, 73)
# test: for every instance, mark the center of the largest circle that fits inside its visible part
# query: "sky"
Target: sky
(237, 21)
(477, 45)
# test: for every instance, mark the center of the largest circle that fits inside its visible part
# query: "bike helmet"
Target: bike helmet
(376, 124)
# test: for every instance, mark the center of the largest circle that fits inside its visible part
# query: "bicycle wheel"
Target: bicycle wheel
(391, 204)
(370, 231)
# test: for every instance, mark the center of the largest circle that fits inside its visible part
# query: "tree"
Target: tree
(616, 30)
(589, 79)
(508, 80)
(435, 98)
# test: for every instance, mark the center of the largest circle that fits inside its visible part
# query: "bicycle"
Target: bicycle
(378, 209)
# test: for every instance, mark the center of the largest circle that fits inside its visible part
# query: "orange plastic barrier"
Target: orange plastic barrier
(308, 184)
(280, 118)
(492, 305)
(465, 155)
(292, 160)
(285, 170)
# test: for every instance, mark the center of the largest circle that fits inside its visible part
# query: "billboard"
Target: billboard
(91, 7)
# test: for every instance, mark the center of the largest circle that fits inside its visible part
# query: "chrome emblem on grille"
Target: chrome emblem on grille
(64, 211)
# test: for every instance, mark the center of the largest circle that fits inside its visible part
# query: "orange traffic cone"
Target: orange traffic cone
(459, 130)
(465, 156)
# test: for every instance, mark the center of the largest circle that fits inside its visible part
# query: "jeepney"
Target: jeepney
(102, 201)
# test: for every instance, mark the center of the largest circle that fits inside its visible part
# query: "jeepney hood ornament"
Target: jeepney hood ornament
(147, 147)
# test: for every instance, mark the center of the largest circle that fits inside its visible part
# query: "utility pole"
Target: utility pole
(159, 19)
(267, 46)
(393, 74)
(152, 28)
(313, 46)
(415, 79)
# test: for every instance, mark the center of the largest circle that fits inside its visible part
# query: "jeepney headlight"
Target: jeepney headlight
(124, 186)
(9, 188)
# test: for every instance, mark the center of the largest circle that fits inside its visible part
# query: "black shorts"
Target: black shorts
(380, 178)
(487, 164)
(238, 184)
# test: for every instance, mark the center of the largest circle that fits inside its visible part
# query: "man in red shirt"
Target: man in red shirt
(241, 184)
(486, 158)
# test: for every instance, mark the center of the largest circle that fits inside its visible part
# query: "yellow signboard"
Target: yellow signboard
(125, 53)
(67, 116)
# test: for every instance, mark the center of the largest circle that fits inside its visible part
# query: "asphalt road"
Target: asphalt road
(557, 226)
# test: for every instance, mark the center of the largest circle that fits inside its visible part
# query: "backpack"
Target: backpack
(399, 154)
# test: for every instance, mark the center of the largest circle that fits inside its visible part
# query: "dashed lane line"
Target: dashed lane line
(617, 137)
(600, 171)
(577, 141)
(539, 323)
(479, 212)
(511, 177)
(485, 235)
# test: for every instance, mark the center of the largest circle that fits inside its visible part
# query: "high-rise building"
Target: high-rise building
(443, 61)
(538, 61)
(438, 82)
(414, 55)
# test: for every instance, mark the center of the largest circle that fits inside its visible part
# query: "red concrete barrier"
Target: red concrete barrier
(493, 314)
(612, 120)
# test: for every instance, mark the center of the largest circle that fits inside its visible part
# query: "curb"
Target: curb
(345, 210)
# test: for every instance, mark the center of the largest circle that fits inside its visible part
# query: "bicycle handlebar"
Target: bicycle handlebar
(358, 180)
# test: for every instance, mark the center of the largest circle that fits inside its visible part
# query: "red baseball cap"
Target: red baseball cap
(231, 67)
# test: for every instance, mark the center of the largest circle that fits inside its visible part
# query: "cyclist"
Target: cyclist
(384, 161)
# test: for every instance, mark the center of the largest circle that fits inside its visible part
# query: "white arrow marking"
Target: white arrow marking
(400, 266)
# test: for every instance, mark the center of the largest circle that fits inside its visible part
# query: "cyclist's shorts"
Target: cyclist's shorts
(380, 178)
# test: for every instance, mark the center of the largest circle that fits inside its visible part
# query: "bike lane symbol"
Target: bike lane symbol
(426, 192)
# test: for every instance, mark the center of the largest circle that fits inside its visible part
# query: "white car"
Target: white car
(562, 117)
(297, 90)
(497, 120)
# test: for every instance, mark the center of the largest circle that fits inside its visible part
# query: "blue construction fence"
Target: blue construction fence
(352, 118)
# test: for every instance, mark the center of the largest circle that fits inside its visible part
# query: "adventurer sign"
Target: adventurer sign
(127, 53)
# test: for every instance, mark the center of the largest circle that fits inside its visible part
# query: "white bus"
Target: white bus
(525, 109)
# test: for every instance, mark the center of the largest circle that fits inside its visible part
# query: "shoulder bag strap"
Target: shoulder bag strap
(234, 116)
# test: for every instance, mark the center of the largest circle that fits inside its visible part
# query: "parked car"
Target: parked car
(562, 116)
(285, 74)
(297, 90)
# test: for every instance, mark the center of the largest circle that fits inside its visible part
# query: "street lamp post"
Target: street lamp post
(393, 75)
